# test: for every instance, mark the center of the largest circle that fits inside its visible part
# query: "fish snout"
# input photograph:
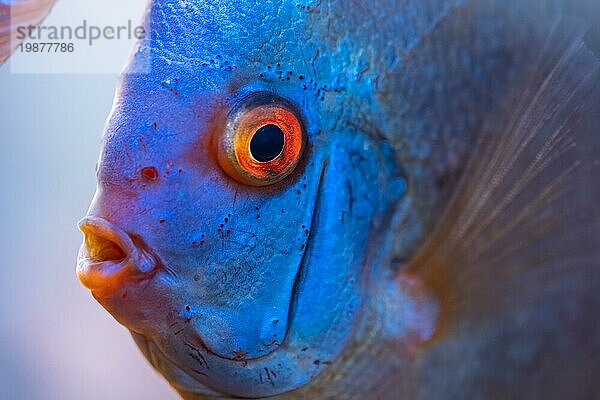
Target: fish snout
(109, 256)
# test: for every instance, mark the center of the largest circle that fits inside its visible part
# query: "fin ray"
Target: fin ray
(515, 258)
(528, 199)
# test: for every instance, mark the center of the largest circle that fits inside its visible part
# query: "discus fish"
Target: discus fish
(356, 200)
(15, 14)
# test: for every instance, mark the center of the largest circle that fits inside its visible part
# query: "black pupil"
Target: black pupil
(267, 143)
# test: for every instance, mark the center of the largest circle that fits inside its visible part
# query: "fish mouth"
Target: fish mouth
(108, 256)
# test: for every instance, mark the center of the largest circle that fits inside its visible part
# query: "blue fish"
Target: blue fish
(16, 17)
(356, 200)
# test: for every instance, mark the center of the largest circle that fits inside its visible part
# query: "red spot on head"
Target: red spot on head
(155, 125)
(162, 221)
(228, 232)
(150, 173)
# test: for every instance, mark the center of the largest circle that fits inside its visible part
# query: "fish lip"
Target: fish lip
(98, 274)
(108, 230)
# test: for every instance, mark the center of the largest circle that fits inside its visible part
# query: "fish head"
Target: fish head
(239, 183)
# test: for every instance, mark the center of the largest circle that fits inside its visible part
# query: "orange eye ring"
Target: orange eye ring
(274, 125)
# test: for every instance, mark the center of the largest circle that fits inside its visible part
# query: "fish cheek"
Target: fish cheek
(240, 284)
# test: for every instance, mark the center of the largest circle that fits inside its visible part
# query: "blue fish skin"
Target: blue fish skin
(290, 290)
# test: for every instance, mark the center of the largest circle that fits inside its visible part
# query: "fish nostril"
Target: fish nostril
(101, 249)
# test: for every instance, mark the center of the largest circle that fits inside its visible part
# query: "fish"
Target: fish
(352, 200)
(15, 14)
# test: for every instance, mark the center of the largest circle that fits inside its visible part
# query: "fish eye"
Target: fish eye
(262, 142)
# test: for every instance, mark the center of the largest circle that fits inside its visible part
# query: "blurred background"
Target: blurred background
(56, 342)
